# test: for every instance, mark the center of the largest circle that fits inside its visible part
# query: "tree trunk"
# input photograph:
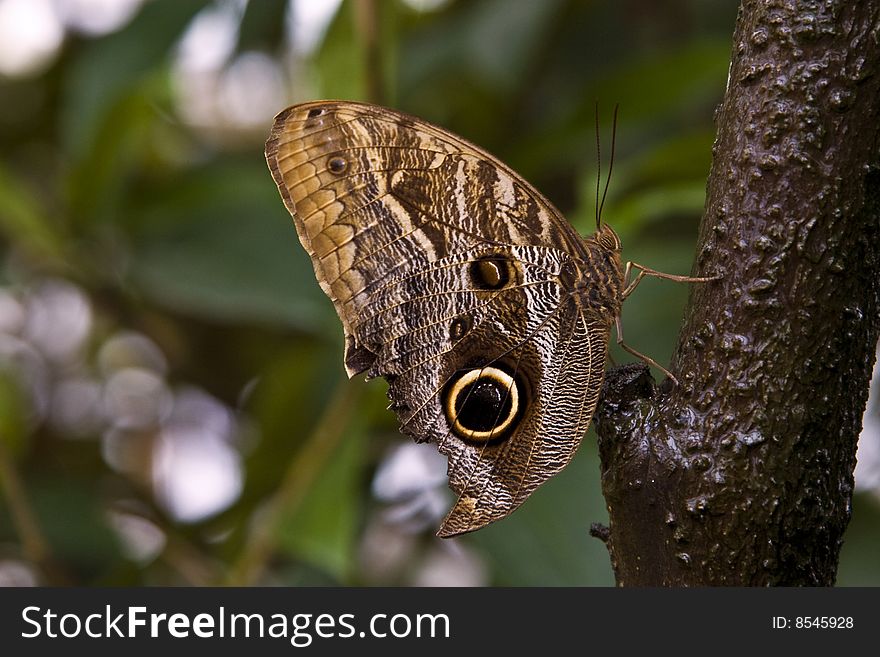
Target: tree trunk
(742, 474)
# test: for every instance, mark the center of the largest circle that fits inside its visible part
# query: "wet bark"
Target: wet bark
(742, 474)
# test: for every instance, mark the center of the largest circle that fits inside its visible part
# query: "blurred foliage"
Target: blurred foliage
(172, 228)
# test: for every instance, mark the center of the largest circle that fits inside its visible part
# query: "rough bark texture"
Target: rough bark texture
(742, 474)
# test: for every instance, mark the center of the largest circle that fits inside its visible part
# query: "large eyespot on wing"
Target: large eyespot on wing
(372, 190)
(493, 479)
(483, 404)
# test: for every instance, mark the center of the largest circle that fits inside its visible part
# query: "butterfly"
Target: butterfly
(461, 285)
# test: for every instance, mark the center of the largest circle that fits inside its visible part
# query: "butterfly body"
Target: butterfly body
(461, 285)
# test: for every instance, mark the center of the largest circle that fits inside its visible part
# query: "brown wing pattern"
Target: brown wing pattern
(441, 261)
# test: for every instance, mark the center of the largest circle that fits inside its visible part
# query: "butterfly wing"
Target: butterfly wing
(454, 279)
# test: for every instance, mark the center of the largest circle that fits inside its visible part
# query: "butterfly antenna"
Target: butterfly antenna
(598, 166)
(610, 163)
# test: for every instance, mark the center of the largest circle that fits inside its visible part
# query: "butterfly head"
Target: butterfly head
(608, 239)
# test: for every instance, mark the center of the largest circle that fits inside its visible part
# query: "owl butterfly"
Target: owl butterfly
(458, 282)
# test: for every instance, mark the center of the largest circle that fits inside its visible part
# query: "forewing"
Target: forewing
(373, 191)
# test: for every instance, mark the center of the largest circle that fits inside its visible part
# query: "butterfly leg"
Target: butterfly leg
(650, 361)
(628, 289)
(647, 271)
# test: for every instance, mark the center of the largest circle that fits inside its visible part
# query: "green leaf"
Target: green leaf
(495, 41)
(220, 245)
(286, 402)
(71, 516)
(652, 206)
(662, 181)
(291, 404)
(262, 26)
(339, 63)
(97, 183)
(652, 92)
(23, 220)
(111, 98)
(323, 528)
(652, 87)
(13, 423)
(109, 68)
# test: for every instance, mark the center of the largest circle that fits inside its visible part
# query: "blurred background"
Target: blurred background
(173, 407)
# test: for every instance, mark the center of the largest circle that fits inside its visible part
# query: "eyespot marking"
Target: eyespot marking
(459, 327)
(491, 272)
(337, 164)
(483, 404)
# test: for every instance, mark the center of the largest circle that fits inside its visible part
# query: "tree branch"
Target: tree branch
(742, 474)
